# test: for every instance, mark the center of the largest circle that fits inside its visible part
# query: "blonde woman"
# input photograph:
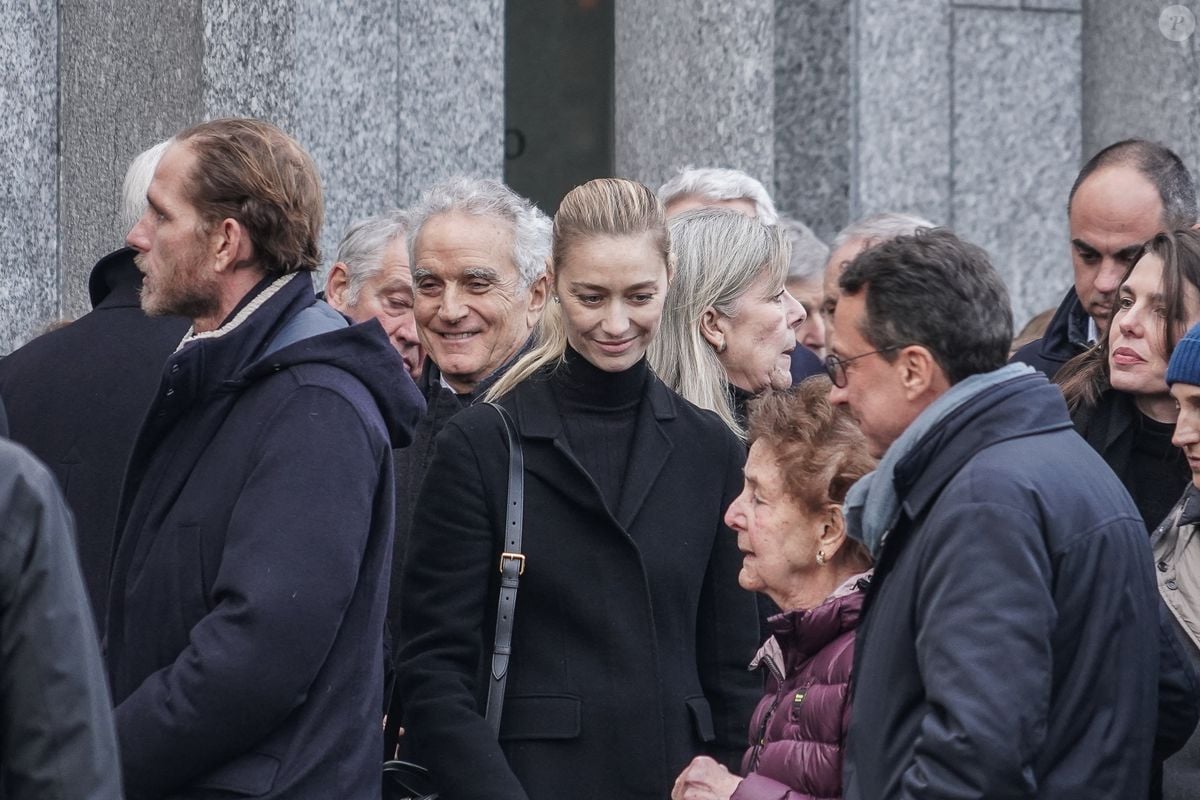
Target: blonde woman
(729, 326)
(631, 635)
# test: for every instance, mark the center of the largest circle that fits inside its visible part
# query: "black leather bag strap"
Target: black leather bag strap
(512, 565)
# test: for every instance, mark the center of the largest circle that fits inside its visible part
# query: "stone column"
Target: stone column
(451, 92)
(1141, 75)
(901, 112)
(130, 76)
(1015, 143)
(28, 169)
(813, 133)
(966, 112)
(694, 84)
(387, 97)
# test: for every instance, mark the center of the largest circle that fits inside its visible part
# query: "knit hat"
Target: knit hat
(1185, 361)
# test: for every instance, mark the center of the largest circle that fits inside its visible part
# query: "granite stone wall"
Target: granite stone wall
(966, 112)
(694, 84)
(28, 168)
(813, 134)
(386, 96)
(1136, 80)
(975, 113)
(1015, 142)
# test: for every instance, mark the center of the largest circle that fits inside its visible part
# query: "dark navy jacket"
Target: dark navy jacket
(1010, 641)
(246, 610)
(1065, 337)
(76, 397)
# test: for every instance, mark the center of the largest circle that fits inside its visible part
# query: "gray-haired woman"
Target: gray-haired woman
(729, 325)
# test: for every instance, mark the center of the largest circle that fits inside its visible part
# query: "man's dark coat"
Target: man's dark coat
(1010, 641)
(632, 636)
(77, 396)
(1065, 337)
(245, 623)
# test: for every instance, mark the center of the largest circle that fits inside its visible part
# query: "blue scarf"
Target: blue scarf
(872, 506)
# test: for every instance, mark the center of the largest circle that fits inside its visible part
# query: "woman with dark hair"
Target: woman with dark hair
(804, 456)
(630, 635)
(1117, 391)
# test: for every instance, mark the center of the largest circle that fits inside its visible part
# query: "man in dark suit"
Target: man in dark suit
(77, 395)
(248, 593)
(1122, 197)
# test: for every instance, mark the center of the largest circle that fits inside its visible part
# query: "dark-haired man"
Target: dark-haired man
(1122, 197)
(1013, 575)
(248, 591)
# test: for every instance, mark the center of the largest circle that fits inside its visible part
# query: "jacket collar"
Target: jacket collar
(797, 635)
(1025, 406)
(1067, 334)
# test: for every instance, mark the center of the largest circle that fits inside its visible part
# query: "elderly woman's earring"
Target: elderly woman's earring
(820, 556)
(554, 297)
(721, 347)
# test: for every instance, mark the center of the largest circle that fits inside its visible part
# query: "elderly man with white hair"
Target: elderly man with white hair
(370, 278)
(704, 187)
(854, 239)
(77, 395)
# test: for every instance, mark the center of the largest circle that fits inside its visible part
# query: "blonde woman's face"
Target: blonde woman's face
(760, 337)
(612, 289)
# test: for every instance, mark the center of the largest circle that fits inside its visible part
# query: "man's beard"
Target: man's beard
(188, 292)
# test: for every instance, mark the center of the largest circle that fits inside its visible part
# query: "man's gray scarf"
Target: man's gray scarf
(872, 506)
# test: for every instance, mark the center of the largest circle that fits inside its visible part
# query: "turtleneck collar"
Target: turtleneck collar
(740, 398)
(585, 385)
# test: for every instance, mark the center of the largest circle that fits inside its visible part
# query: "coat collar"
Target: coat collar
(538, 419)
(1024, 406)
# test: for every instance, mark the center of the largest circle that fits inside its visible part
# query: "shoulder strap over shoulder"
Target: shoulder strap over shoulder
(512, 565)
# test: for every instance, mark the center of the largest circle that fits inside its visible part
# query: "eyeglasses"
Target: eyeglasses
(835, 367)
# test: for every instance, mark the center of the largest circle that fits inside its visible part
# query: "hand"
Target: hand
(704, 779)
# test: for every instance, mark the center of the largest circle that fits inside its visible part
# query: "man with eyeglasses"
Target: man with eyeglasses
(1009, 646)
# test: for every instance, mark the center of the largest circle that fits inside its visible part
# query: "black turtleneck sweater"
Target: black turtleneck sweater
(599, 413)
(740, 399)
(1158, 471)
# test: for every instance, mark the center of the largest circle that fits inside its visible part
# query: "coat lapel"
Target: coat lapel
(548, 455)
(651, 449)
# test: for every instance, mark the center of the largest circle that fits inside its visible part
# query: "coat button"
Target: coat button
(170, 392)
(1162, 566)
(1171, 584)
(174, 368)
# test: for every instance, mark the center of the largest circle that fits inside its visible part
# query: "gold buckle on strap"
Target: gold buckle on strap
(516, 557)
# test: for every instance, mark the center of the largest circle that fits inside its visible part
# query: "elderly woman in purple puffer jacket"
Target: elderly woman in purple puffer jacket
(804, 456)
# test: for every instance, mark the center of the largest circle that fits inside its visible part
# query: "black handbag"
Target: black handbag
(404, 780)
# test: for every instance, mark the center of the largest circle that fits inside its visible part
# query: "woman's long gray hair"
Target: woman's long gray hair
(719, 254)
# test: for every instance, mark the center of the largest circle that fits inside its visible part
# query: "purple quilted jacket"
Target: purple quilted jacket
(799, 728)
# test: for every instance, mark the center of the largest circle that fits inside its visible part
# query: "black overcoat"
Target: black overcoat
(76, 397)
(632, 636)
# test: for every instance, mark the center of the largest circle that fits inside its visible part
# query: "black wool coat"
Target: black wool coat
(77, 395)
(246, 609)
(632, 636)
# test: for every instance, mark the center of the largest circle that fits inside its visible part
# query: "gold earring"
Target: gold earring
(820, 556)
